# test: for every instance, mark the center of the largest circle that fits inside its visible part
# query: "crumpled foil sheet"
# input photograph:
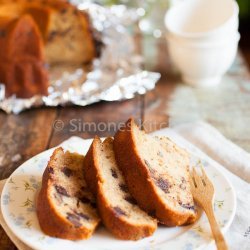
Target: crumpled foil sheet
(116, 75)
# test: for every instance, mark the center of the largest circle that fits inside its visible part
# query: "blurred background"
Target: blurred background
(152, 12)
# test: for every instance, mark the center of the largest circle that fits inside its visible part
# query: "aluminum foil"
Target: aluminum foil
(116, 75)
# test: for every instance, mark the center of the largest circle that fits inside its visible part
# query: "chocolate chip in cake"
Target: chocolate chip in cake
(108, 157)
(82, 215)
(131, 200)
(63, 33)
(119, 211)
(163, 184)
(50, 170)
(67, 171)
(74, 219)
(51, 36)
(113, 172)
(93, 204)
(85, 200)
(123, 187)
(61, 190)
(187, 206)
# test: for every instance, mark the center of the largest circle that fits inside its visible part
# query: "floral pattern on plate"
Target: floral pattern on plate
(18, 203)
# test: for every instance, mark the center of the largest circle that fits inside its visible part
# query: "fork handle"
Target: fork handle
(218, 236)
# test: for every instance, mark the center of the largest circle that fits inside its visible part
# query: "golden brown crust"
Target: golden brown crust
(139, 180)
(121, 228)
(90, 172)
(24, 32)
(22, 68)
(24, 78)
(51, 222)
(116, 224)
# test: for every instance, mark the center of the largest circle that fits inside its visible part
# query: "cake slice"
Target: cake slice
(157, 174)
(118, 210)
(65, 207)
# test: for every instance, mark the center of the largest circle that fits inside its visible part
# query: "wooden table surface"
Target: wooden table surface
(226, 107)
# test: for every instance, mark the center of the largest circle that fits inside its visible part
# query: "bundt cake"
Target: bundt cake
(65, 207)
(157, 175)
(59, 33)
(118, 210)
(65, 30)
(22, 58)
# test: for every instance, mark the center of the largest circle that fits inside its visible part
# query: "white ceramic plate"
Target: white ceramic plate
(18, 207)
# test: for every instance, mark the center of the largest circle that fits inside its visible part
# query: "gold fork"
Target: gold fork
(203, 193)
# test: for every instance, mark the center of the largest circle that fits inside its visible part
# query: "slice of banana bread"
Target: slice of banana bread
(65, 207)
(157, 175)
(118, 210)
